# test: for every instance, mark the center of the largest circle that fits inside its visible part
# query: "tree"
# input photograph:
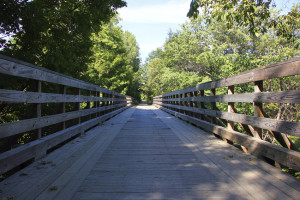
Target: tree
(215, 50)
(132, 51)
(54, 34)
(249, 13)
(115, 60)
(110, 67)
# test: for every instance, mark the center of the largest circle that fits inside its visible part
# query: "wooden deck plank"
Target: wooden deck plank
(242, 168)
(42, 176)
(144, 153)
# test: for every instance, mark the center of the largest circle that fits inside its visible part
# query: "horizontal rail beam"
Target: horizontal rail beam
(12, 96)
(289, 96)
(255, 146)
(14, 128)
(282, 69)
(291, 128)
(17, 156)
(19, 68)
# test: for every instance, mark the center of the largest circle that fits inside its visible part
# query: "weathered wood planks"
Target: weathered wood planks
(13, 128)
(282, 69)
(189, 104)
(19, 68)
(13, 96)
(290, 96)
(106, 103)
(291, 128)
(145, 153)
(17, 156)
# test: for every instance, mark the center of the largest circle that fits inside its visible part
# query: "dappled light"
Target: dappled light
(213, 113)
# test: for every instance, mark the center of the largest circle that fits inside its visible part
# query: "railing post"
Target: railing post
(258, 87)
(88, 106)
(96, 103)
(78, 105)
(195, 103)
(181, 103)
(202, 104)
(63, 90)
(191, 104)
(39, 108)
(213, 105)
(186, 104)
(230, 107)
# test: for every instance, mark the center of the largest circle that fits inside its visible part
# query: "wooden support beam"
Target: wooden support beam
(291, 128)
(78, 105)
(63, 90)
(39, 108)
(258, 87)
(213, 105)
(289, 96)
(255, 146)
(202, 106)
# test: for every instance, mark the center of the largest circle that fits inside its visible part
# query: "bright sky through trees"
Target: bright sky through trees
(150, 21)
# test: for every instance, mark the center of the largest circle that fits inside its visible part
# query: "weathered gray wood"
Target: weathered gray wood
(13, 128)
(199, 167)
(42, 173)
(235, 164)
(292, 128)
(287, 68)
(62, 107)
(255, 146)
(39, 108)
(289, 96)
(19, 68)
(17, 156)
(12, 96)
(258, 131)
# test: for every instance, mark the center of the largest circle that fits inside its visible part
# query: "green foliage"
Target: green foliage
(55, 34)
(288, 26)
(161, 79)
(74, 37)
(247, 13)
(216, 50)
(115, 60)
(132, 51)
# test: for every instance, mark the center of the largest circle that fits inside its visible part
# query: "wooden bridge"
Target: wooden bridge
(109, 149)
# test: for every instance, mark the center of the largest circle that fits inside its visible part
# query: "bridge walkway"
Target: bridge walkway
(145, 153)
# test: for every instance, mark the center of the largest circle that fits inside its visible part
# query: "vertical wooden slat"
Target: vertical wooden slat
(88, 106)
(192, 104)
(39, 108)
(213, 104)
(230, 124)
(181, 103)
(231, 109)
(186, 104)
(96, 103)
(78, 105)
(202, 104)
(104, 102)
(174, 102)
(258, 87)
(195, 104)
(63, 90)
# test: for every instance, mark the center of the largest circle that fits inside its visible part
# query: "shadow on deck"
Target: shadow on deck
(144, 153)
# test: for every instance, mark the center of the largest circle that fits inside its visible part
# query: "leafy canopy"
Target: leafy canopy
(249, 13)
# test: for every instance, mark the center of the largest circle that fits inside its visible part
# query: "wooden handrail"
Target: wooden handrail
(188, 104)
(105, 106)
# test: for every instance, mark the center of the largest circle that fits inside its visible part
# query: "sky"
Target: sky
(150, 21)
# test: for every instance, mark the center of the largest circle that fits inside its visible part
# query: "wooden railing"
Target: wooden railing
(191, 104)
(97, 106)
